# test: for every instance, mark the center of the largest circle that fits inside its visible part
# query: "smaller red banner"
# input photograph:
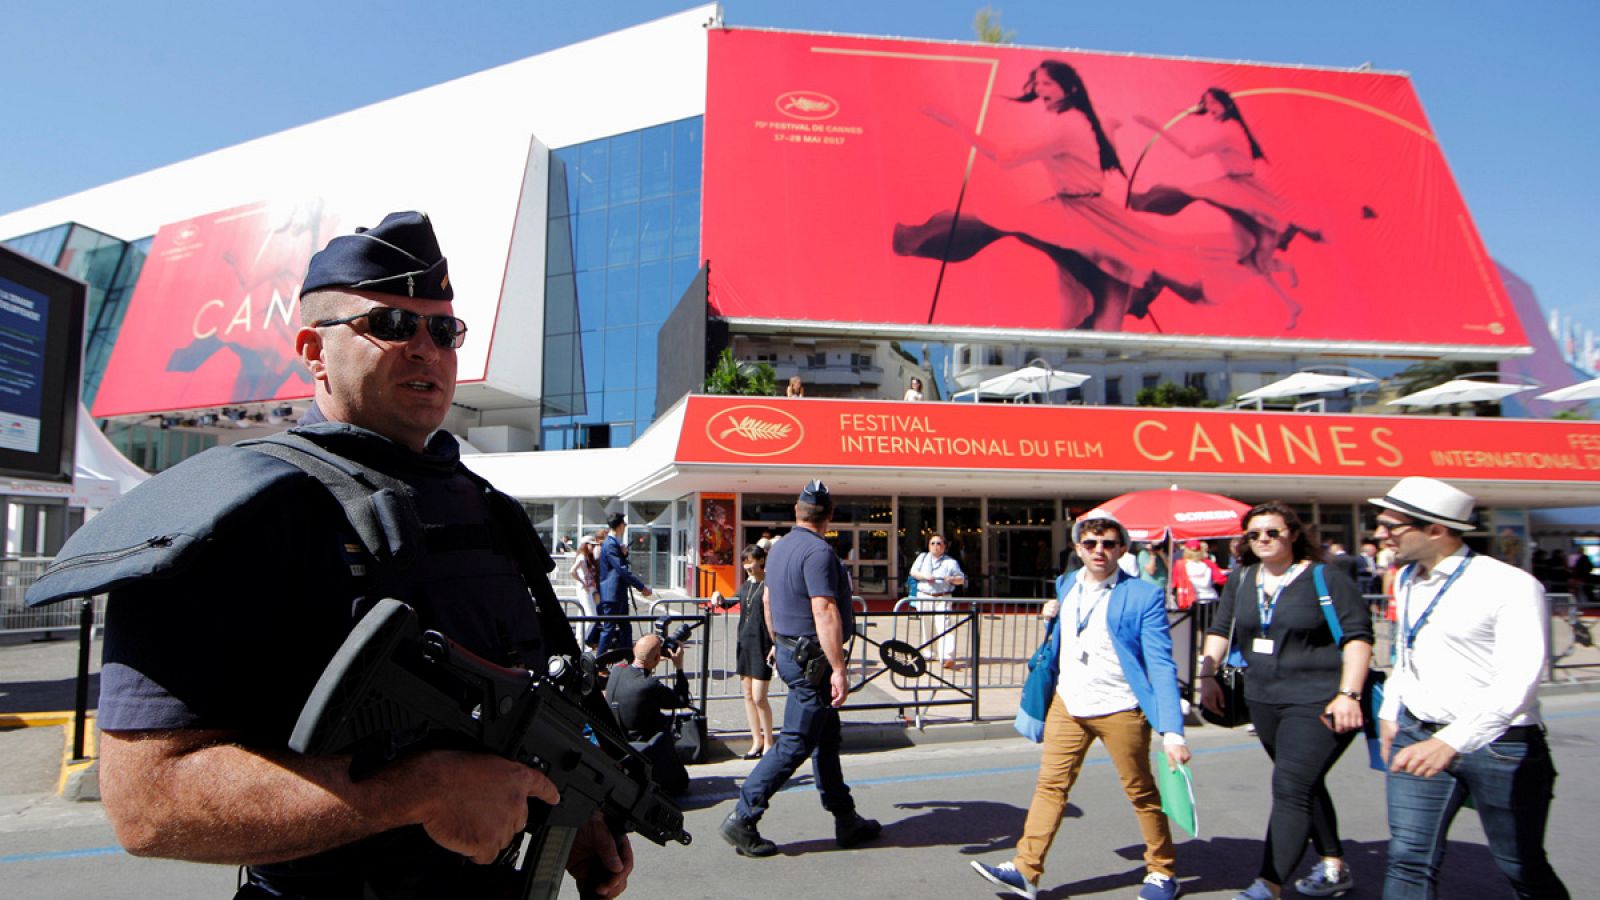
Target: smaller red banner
(853, 433)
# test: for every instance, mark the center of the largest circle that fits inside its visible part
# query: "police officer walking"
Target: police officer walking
(808, 612)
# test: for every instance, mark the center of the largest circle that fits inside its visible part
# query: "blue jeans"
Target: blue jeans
(810, 728)
(1510, 782)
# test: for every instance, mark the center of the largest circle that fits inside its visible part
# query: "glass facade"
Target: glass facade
(110, 266)
(624, 243)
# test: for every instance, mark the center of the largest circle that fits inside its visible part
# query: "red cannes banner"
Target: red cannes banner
(886, 181)
(213, 317)
(752, 431)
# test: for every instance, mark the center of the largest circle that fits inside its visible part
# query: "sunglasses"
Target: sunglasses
(1096, 544)
(1265, 534)
(1396, 527)
(387, 323)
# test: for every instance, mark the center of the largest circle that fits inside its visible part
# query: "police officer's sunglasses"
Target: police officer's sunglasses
(386, 323)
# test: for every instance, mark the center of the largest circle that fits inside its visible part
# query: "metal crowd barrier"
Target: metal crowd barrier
(16, 576)
(1571, 637)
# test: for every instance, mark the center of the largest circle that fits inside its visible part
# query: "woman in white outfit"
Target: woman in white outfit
(585, 570)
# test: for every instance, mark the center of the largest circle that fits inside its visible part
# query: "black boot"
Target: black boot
(744, 837)
(850, 829)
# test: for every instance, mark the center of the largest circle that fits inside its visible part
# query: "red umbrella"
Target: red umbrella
(1149, 515)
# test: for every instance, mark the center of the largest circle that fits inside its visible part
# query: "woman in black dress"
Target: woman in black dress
(1303, 687)
(754, 654)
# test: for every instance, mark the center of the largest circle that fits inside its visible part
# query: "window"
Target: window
(623, 244)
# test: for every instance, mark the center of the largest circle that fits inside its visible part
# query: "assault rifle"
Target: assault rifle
(392, 687)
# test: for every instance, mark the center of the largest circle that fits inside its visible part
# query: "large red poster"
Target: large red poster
(213, 317)
(883, 181)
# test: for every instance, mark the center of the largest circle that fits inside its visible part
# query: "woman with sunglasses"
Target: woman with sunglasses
(1304, 690)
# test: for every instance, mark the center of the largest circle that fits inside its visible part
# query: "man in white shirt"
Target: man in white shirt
(1460, 715)
(937, 577)
(1115, 682)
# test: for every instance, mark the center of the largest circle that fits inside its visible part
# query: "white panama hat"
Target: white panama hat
(1431, 500)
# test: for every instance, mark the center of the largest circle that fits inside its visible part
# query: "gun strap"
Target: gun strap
(390, 538)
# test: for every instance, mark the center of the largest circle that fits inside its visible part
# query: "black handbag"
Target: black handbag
(1235, 710)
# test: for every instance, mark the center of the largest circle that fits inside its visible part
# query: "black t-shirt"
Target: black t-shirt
(237, 639)
(1304, 666)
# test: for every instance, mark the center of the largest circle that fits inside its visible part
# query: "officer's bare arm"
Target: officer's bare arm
(194, 795)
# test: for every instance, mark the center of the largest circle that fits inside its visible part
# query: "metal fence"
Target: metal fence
(16, 576)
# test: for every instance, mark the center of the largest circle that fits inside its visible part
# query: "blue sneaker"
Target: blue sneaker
(1159, 887)
(1006, 875)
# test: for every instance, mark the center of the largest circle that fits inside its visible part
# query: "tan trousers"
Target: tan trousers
(1066, 742)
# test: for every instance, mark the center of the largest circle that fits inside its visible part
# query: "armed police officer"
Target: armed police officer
(807, 606)
(242, 573)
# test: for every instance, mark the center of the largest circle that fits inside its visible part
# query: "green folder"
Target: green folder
(1177, 795)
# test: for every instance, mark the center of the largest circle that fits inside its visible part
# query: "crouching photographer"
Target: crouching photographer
(643, 701)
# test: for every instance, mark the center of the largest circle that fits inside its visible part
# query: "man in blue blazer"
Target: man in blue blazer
(1107, 674)
(615, 580)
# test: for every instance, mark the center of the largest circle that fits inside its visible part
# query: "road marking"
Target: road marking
(61, 854)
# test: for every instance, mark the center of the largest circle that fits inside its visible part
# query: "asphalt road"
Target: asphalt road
(942, 805)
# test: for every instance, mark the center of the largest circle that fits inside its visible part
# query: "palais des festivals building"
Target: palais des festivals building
(787, 196)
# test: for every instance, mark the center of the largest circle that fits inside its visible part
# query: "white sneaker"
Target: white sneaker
(1326, 880)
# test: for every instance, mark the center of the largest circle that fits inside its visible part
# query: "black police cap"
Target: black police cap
(400, 256)
(816, 493)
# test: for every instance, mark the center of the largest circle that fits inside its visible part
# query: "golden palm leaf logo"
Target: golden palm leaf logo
(754, 429)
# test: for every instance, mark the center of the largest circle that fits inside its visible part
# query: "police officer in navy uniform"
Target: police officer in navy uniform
(807, 605)
(208, 660)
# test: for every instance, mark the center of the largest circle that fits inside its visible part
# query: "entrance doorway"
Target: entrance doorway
(865, 552)
(1020, 563)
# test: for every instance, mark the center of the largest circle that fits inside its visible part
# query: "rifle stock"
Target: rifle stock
(391, 688)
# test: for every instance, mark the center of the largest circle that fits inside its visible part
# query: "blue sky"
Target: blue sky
(95, 92)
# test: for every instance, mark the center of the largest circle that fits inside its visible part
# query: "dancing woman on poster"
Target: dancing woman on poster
(1104, 251)
(1260, 218)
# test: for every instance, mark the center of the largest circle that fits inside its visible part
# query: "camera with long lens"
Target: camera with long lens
(671, 640)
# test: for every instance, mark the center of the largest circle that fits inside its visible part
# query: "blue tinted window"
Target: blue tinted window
(619, 406)
(622, 296)
(644, 406)
(655, 293)
(655, 162)
(625, 223)
(625, 168)
(594, 164)
(591, 240)
(622, 236)
(686, 225)
(591, 300)
(686, 156)
(594, 358)
(619, 349)
(645, 358)
(655, 229)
